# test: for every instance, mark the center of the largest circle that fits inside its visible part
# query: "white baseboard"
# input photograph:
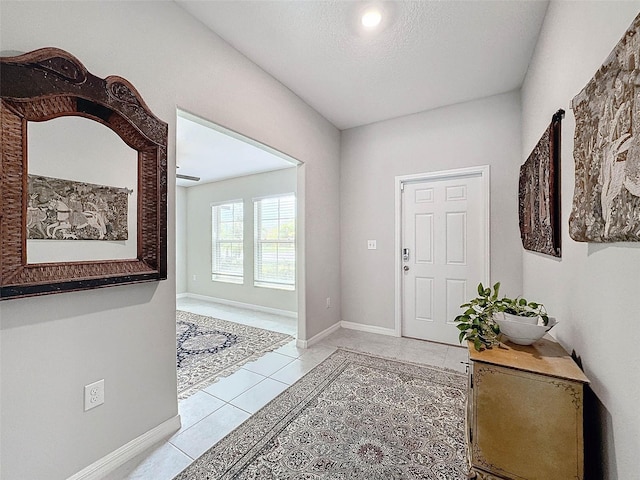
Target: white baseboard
(233, 303)
(316, 338)
(369, 328)
(110, 462)
(350, 325)
(181, 295)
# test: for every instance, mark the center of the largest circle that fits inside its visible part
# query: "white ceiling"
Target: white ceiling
(214, 153)
(426, 54)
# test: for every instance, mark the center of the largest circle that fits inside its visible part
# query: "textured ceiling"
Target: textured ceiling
(426, 54)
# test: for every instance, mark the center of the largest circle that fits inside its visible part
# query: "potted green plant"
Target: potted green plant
(519, 309)
(485, 314)
(477, 323)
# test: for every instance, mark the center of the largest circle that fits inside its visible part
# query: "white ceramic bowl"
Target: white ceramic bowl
(518, 318)
(523, 333)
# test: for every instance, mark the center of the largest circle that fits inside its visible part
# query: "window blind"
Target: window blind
(275, 241)
(227, 241)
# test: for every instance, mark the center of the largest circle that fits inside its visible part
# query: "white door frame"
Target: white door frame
(483, 171)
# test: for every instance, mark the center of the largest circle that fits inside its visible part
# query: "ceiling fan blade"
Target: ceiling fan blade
(188, 177)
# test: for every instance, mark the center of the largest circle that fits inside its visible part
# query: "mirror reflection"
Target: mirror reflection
(77, 212)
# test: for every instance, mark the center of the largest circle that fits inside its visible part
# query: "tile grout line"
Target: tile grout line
(181, 451)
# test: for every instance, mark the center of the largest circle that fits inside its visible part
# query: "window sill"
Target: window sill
(223, 279)
(275, 286)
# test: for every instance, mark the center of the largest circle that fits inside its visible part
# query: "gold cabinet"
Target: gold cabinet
(524, 413)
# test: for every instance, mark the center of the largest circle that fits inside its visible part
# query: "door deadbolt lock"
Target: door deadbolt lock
(405, 254)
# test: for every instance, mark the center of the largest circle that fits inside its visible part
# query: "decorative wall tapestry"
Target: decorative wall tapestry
(539, 193)
(606, 201)
(68, 210)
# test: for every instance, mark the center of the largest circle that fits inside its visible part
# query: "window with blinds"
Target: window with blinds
(275, 242)
(227, 236)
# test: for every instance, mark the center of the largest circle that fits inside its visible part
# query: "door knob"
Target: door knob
(406, 268)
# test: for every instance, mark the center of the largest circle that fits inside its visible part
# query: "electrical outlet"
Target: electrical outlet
(93, 395)
(328, 302)
(195, 277)
(371, 244)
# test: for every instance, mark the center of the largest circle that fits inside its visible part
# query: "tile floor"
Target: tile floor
(254, 318)
(213, 412)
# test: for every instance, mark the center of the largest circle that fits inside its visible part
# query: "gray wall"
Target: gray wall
(54, 345)
(484, 132)
(181, 239)
(594, 287)
(200, 199)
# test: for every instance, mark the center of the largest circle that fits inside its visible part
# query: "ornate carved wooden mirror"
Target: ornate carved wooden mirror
(49, 84)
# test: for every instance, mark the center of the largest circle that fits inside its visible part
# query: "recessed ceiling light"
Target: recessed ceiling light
(371, 18)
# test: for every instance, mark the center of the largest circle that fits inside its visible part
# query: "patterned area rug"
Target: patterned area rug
(356, 417)
(209, 348)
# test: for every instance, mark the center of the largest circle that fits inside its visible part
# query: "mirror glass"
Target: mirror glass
(78, 212)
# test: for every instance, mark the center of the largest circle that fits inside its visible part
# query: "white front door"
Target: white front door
(444, 247)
